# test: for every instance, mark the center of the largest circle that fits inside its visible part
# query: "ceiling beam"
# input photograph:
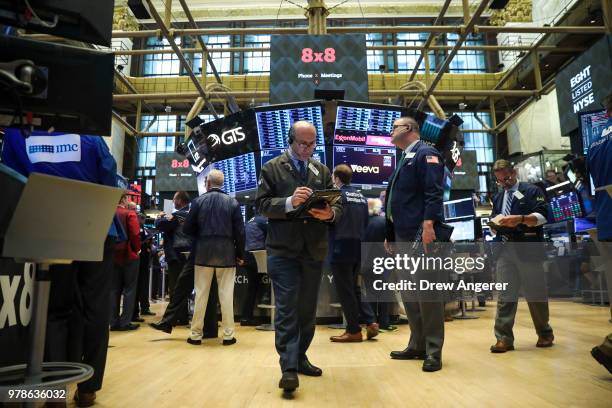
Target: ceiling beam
(169, 37)
(441, 70)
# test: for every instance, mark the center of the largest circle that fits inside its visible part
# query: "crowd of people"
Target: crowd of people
(205, 239)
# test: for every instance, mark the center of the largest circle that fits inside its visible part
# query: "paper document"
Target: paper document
(168, 207)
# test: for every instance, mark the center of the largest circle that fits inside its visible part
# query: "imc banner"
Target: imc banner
(300, 64)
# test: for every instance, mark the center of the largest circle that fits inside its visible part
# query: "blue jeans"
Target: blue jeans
(295, 282)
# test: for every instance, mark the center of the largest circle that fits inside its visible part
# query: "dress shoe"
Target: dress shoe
(138, 319)
(408, 354)
(194, 342)
(389, 328)
(601, 358)
(248, 322)
(166, 328)
(432, 364)
(131, 326)
(181, 323)
(545, 341)
(147, 313)
(84, 399)
(289, 381)
(501, 347)
(229, 342)
(372, 330)
(347, 337)
(305, 367)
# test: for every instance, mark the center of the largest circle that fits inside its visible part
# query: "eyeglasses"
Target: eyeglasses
(304, 145)
(504, 180)
(397, 126)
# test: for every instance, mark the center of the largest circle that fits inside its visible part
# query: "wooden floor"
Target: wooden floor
(147, 368)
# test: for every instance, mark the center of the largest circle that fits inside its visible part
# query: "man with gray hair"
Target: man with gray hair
(216, 225)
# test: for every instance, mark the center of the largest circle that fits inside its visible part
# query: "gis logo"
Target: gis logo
(228, 137)
(365, 169)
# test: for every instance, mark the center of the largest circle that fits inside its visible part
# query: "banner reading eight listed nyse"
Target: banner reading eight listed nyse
(510, 271)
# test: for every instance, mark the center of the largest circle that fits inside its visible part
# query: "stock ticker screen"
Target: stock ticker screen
(364, 126)
(239, 172)
(273, 123)
(591, 126)
(269, 154)
(565, 206)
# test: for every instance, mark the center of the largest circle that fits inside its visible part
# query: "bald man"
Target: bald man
(296, 247)
(216, 225)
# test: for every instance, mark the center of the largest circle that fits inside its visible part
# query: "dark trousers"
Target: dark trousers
(345, 280)
(142, 288)
(425, 312)
(79, 314)
(295, 283)
(177, 308)
(125, 280)
(382, 314)
(253, 285)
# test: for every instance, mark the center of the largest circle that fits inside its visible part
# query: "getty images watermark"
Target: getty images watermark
(512, 271)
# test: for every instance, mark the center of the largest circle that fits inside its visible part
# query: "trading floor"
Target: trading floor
(149, 368)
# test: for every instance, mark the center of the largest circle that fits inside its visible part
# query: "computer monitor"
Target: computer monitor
(592, 123)
(564, 206)
(464, 230)
(372, 166)
(78, 96)
(87, 21)
(274, 121)
(269, 154)
(239, 173)
(583, 224)
(459, 209)
(365, 124)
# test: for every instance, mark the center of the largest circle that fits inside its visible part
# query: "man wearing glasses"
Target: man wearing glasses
(296, 247)
(414, 203)
(522, 210)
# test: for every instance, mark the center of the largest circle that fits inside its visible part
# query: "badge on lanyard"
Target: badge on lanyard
(518, 195)
(313, 169)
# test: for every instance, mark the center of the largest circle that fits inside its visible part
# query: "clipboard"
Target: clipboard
(317, 199)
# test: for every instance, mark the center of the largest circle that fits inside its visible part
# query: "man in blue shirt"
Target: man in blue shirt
(84, 158)
(600, 167)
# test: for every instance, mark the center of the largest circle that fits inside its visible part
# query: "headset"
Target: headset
(291, 136)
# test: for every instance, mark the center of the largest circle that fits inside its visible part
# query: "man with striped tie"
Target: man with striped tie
(523, 212)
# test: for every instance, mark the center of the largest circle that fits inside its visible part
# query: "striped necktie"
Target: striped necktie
(507, 203)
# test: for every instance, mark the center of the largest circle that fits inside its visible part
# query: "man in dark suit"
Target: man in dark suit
(523, 212)
(296, 247)
(216, 225)
(414, 203)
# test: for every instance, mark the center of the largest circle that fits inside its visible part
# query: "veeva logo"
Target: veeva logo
(228, 137)
(365, 169)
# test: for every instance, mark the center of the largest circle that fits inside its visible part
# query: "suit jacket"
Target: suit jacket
(287, 236)
(215, 222)
(417, 193)
(532, 202)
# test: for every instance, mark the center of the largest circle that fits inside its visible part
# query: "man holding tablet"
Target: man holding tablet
(296, 246)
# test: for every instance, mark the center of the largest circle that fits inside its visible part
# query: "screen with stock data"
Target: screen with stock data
(239, 173)
(273, 123)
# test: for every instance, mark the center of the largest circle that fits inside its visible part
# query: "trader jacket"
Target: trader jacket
(287, 236)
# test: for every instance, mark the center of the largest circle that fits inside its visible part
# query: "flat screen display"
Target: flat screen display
(565, 206)
(239, 173)
(269, 154)
(592, 125)
(365, 124)
(464, 230)
(173, 172)
(301, 64)
(584, 83)
(457, 209)
(372, 166)
(273, 122)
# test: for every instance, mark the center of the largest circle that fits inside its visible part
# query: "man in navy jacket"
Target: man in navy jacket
(414, 203)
